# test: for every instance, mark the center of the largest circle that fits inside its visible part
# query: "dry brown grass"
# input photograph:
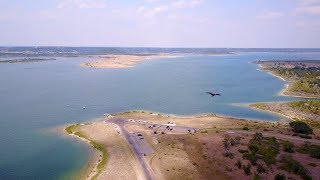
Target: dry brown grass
(200, 155)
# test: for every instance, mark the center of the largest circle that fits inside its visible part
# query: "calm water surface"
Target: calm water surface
(38, 96)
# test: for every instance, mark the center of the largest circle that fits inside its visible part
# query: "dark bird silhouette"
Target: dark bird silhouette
(213, 94)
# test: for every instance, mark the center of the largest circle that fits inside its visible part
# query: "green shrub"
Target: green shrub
(247, 169)
(103, 162)
(257, 137)
(315, 152)
(81, 135)
(243, 151)
(266, 147)
(237, 140)
(279, 177)
(312, 150)
(232, 142)
(300, 127)
(261, 169)
(251, 157)
(226, 142)
(228, 154)
(288, 146)
(70, 129)
(239, 164)
(245, 128)
(256, 177)
(253, 148)
(304, 136)
(291, 165)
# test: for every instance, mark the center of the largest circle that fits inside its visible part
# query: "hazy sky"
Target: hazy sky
(161, 23)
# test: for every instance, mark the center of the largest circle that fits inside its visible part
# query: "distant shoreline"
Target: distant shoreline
(26, 60)
(130, 61)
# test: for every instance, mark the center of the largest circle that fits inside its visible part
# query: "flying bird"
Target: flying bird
(213, 94)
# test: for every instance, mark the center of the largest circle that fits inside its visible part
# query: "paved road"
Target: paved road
(280, 136)
(139, 146)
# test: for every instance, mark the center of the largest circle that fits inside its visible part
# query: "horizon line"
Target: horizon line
(160, 47)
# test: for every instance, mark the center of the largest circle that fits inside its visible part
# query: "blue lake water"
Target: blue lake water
(38, 96)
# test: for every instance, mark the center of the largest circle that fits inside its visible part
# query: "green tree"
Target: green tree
(300, 127)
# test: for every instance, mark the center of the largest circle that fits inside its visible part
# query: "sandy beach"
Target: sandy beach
(120, 61)
(121, 163)
(89, 169)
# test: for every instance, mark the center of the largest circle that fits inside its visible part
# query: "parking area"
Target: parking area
(140, 143)
(170, 127)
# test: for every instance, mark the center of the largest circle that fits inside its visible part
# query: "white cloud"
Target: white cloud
(186, 3)
(157, 10)
(82, 4)
(309, 7)
(200, 20)
(270, 15)
(150, 13)
(141, 9)
(153, 11)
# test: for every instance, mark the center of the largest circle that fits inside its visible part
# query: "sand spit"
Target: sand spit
(129, 61)
(121, 61)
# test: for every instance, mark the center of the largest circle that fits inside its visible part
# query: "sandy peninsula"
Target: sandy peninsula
(147, 145)
(121, 61)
